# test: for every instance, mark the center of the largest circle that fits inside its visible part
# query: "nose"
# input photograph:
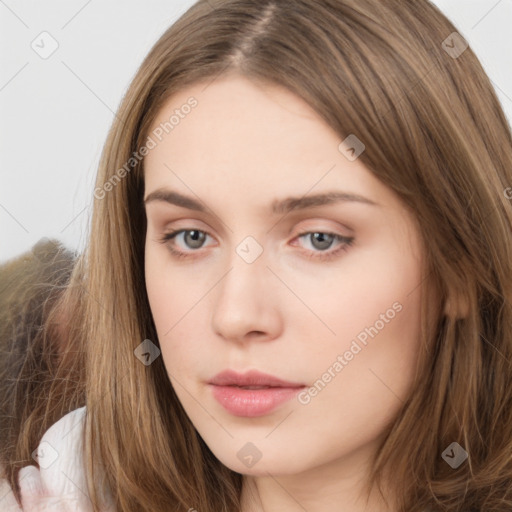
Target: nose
(246, 306)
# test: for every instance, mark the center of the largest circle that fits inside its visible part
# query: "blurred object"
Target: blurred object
(34, 384)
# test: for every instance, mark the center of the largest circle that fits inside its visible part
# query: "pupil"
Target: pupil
(324, 239)
(197, 238)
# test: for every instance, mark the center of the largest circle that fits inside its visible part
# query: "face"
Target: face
(322, 294)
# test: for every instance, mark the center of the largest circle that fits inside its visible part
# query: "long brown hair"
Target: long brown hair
(434, 133)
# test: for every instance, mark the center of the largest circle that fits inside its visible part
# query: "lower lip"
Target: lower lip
(252, 402)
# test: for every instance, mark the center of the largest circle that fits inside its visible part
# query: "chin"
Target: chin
(271, 464)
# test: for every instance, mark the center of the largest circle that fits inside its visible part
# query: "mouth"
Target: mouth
(253, 387)
(251, 379)
(251, 394)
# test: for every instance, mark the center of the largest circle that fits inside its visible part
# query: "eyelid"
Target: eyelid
(314, 228)
(321, 225)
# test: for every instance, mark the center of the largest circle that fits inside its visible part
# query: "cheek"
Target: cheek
(370, 314)
(163, 304)
(352, 299)
(173, 297)
(159, 291)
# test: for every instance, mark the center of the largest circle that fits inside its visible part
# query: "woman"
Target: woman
(299, 271)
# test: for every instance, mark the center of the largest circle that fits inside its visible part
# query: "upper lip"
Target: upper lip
(250, 378)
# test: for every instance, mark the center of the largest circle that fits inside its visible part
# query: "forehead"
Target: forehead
(238, 94)
(234, 113)
(245, 138)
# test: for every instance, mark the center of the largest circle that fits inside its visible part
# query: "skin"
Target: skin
(287, 314)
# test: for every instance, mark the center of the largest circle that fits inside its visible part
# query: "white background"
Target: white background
(55, 112)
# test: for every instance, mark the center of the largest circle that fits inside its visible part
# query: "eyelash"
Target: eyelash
(346, 242)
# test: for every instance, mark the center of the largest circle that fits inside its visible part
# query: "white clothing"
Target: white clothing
(59, 485)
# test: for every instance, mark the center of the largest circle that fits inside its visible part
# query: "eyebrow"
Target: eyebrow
(281, 206)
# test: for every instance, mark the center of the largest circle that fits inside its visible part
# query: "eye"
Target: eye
(320, 241)
(193, 238)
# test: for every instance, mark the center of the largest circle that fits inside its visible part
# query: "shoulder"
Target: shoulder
(60, 448)
(61, 471)
(66, 434)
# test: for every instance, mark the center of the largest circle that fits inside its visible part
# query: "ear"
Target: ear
(457, 306)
